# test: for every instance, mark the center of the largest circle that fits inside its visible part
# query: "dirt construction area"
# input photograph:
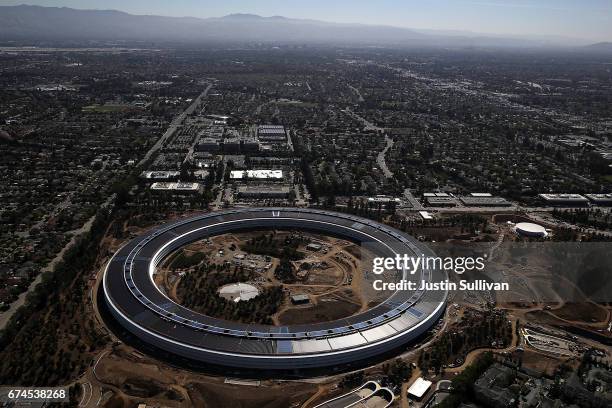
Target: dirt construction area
(328, 271)
(125, 379)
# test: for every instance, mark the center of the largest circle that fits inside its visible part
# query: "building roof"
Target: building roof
(443, 200)
(419, 387)
(300, 298)
(425, 215)
(602, 198)
(208, 140)
(263, 189)
(485, 201)
(180, 186)
(256, 174)
(271, 133)
(563, 197)
(383, 199)
(159, 174)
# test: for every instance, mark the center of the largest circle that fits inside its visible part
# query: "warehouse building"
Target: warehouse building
(567, 200)
(484, 201)
(208, 144)
(239, 145)
(383, 199)
(231, 145)
(263, 191)
(176, 188)
(160, 175)
(419, 388)
(604, 200)
(271, 134)
(439, 199)
(274, 175)
(300, 299)
(271, 161)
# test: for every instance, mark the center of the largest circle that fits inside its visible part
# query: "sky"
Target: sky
(581, 19)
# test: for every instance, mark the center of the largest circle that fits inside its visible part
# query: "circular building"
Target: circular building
(528, 229)
(140, 307)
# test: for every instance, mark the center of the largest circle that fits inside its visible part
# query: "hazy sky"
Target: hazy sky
(587, 19)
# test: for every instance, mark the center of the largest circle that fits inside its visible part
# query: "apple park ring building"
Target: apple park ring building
(138, 305)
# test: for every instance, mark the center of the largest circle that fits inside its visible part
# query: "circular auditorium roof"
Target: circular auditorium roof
(530, 229)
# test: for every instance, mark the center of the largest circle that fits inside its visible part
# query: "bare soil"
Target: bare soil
(327, 309)
(208, 395)
(582, 311)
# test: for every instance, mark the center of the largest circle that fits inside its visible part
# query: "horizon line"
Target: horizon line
(430, 31)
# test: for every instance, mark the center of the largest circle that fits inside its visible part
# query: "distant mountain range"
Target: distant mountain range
(54, 23)
(601, 46)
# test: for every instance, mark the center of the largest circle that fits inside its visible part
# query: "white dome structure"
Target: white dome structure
(529, 229)
(238, 291)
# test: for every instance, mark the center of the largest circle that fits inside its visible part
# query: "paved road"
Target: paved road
(176, 123)
(380, 159)
(6, 316)
(366, 123)
(218, 203)
(415, 204)
(357, 92)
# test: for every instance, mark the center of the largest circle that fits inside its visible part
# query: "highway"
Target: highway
(380, 159)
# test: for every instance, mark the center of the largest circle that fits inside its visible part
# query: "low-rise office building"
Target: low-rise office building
(176, 188)
(567, 200)
(263, 191)
(604, 200)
